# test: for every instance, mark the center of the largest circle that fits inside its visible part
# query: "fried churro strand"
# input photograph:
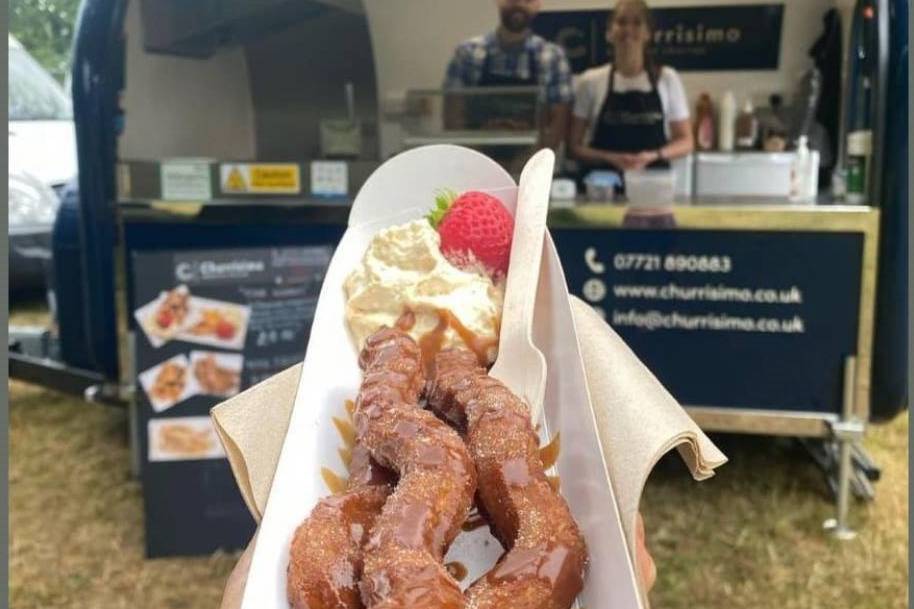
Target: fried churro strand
(403, 560)
(325, 562)
(543, 567)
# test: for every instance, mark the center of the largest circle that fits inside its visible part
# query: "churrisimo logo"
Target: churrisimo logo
(697, 34)
(211, 269)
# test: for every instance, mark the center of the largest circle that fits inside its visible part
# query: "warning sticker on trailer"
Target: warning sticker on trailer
(260, 178)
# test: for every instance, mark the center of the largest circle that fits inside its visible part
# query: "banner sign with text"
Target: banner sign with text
(742, 319)
(702, 38)
(209, 324)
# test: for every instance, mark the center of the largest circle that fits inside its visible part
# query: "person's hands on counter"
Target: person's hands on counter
(234, 585)
(631, 161)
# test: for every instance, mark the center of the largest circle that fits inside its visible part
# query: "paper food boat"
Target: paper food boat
(402, 189)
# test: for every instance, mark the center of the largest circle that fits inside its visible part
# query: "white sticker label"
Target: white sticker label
(186, 181)
(329, 178)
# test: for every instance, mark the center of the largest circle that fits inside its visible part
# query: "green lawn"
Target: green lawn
(749, 537)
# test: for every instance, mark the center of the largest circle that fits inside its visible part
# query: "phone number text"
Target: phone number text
(672, 263)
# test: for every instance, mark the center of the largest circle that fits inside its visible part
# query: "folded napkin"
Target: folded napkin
(638, 420)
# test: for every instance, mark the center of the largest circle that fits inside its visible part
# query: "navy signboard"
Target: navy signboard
(745, 37)
(209, 324)
(728, 318)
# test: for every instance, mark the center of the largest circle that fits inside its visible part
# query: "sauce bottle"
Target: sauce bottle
(727, 121)
(859, 149)
(704, 123)
(746, 127)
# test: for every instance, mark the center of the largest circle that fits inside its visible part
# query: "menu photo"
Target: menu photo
(168, 383)
(165, 317)
(177, 314)
(216, 373)
(217, 323)
(183, 439)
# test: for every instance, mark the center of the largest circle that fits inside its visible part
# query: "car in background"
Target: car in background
(31, 212)
(42, 159)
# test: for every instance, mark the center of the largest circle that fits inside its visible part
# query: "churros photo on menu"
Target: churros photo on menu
(183, 439)
(217, 373)
(166, 316)
(168, 383)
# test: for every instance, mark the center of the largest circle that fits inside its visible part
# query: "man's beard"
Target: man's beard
(515, 19)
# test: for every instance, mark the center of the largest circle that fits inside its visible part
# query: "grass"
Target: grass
(76, 515)
(749, 537)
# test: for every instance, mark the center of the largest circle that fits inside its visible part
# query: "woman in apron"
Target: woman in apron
(631, 114)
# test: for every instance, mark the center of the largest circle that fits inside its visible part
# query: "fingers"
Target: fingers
(647, 570)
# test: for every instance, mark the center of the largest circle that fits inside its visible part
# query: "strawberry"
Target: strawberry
(164, 319)
(225, 330)
(475, 228)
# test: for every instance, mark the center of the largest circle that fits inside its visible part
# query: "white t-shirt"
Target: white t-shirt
(590, 93)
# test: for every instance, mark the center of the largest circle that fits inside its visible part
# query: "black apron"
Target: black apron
(520, 109)
(631, 122)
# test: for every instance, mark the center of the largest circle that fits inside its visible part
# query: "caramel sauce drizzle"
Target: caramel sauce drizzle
(549, 454)
(345, 455)
(346, 430)
(555, 482)
(479, 345)
(457, 570)
(430, 344)
(406, 321)
(335, 483)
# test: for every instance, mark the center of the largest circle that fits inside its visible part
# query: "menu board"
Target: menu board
(696, 38)
(742, 319)
(208, 324)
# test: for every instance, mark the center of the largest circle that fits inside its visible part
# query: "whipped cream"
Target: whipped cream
(404, 270)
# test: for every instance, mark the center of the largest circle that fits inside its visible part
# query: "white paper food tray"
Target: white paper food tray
(400, 190)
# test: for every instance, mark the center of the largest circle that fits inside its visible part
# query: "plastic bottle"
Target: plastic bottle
(704, 123)
(727, 122)
(859, 148)
(747, 127)
(799, 172)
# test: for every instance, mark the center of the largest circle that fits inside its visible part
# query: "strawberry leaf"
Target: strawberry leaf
(444, 198)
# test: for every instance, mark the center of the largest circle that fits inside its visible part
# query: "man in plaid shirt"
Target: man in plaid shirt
(512, 55)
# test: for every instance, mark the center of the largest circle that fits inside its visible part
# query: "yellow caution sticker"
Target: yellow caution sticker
(260, 178)
(235, 182)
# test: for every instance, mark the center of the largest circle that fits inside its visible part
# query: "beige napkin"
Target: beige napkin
(637, 418)
(639, 421)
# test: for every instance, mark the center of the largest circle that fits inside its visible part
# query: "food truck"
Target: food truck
(221, 144)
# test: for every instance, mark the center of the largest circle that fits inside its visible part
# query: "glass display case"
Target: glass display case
(479, 117)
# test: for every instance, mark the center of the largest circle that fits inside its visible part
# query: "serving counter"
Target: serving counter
(758, 318)
(803, 275)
